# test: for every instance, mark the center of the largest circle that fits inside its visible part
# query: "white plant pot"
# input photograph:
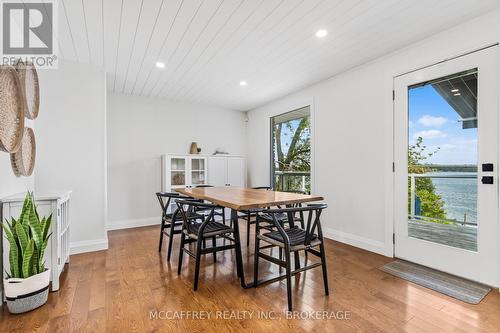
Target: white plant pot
(24, 295)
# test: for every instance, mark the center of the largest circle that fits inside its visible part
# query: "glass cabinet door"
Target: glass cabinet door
(178, 171)
(198, 171)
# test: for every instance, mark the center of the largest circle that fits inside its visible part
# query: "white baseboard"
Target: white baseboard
(357, 241)
(125, 224)
(88, 246)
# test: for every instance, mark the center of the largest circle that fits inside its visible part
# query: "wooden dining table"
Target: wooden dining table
(242, 199)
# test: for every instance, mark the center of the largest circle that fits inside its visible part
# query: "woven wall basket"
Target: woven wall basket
(23, 160)
(29, 81)
(12, 107)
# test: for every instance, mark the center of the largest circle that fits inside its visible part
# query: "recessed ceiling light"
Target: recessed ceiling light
(160, 64)
(243, 83)
(321, 33)
(457, 94)
(454, 90)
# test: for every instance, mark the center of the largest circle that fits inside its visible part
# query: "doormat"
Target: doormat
(444, 283)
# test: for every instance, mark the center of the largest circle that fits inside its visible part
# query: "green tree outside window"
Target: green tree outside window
(432, 206)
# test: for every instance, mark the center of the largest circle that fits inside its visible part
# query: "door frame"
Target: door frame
(391, 209)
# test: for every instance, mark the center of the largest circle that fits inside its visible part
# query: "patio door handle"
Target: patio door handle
(487, 180)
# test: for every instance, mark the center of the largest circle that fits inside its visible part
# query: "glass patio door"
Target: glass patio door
(446, 152)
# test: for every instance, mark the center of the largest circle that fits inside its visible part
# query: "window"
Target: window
(291, 151)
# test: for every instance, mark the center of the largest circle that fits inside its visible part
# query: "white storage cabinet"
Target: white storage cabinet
(187, 171)
(226, 171)
(182, 171)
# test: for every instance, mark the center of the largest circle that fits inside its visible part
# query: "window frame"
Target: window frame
(271, 146)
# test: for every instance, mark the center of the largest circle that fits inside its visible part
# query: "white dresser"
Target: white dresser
(57, 252)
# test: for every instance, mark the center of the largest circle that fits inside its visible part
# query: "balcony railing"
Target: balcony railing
(415, 204)
(288, 181)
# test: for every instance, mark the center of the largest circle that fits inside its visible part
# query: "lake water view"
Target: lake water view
(459, 195)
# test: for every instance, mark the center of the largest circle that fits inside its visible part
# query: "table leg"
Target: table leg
(239, 256)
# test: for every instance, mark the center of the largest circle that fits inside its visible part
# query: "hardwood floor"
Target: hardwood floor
(116, 290)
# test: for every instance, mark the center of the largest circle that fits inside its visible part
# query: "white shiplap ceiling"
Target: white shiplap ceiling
(209, 46)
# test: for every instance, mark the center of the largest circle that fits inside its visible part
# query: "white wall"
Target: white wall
(71, 147)
(9, 183)
(140, 130)
(352, 134)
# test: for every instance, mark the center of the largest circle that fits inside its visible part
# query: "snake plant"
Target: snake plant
(28, 237)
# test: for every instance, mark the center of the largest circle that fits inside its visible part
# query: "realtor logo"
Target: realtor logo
(28, 32)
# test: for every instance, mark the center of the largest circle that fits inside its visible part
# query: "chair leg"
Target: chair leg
(170, 240)
(288, 278)
(296, 260)
(323, 266)
(248, 228)
(214, 244)
(181, 252)
(197, 263)
(161, 236)
(280, 256)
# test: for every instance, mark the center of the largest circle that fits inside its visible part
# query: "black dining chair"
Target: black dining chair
(248, 214)
(299, 217)
(219, 211)
(291, 240)
(171, 222)
(193, 232)
(282, 218)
